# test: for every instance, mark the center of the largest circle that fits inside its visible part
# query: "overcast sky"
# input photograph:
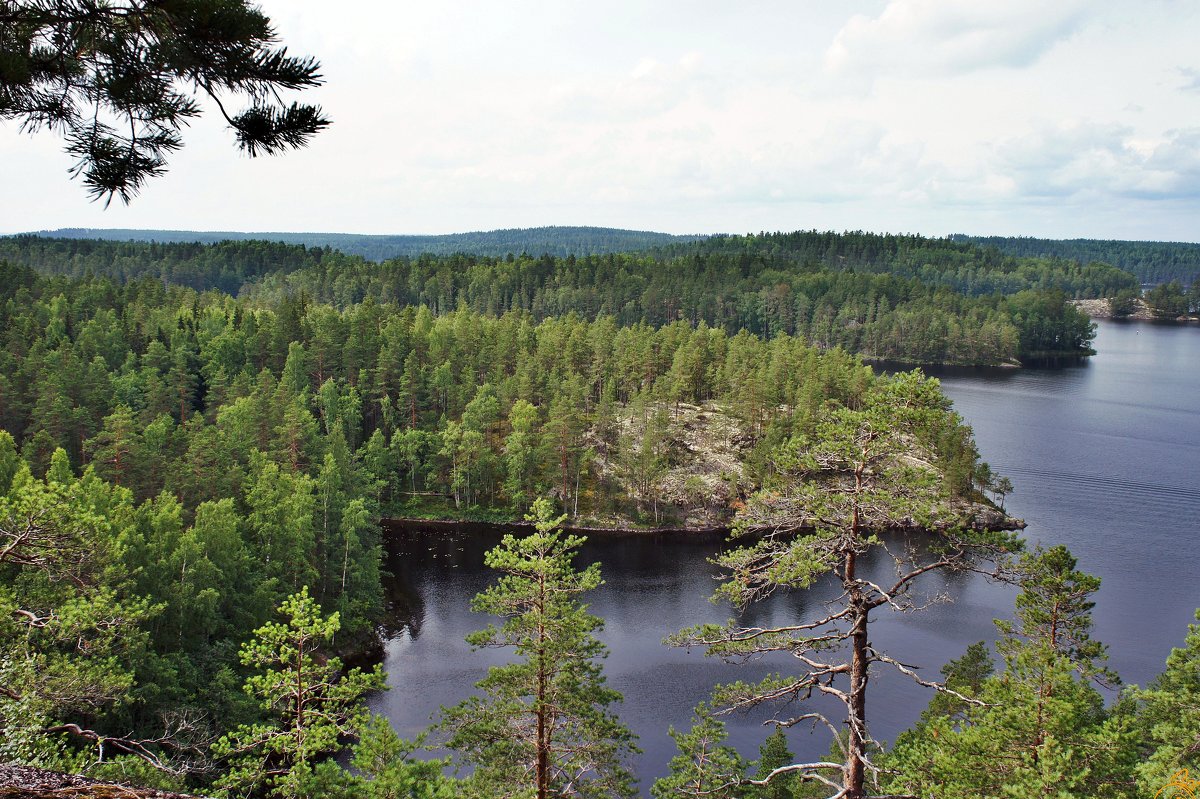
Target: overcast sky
(1056, 118)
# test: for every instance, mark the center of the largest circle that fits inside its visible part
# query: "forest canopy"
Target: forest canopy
(901, 298)
(198, 444)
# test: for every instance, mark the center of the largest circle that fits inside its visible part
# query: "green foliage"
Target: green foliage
(705, 765)
(217, 454)
(1150, 261)
(1049, 325)
(119, 80)
(773, 754)
(71, 636)
(1037, 728)
(1166, 716)
(384, 768)
(1124, 302)
(542, 725)
(310, 703)
(838, 491)
(559, 240)
(1168, 300)
(898, 297)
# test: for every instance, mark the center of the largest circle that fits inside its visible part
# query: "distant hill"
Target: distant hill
(1151, 261)
(556, 241)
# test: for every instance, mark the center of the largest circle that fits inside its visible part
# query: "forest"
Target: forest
(1150, 261)
(899, 298)
(192, 478)
(555, 240)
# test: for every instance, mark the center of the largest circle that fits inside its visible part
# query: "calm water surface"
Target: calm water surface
(1104, 458)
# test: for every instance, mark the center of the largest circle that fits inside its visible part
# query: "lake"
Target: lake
(1103, 456)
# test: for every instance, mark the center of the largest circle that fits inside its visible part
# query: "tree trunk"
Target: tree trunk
(543, 732)
(855, 776)
(564, 470)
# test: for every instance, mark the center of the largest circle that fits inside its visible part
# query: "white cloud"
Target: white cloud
(1007, 117)
(1108, 161)
(950, 37)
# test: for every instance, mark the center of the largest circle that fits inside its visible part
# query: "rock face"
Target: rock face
(704, 481)
(985, 518)
(1099, 309)
(22, 782)
(702, 474)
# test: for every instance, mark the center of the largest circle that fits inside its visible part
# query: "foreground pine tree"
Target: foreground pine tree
(542, 726)
(859, 473)
(1168, 718)
(310, 703)
(706, 766)
(1039, 727)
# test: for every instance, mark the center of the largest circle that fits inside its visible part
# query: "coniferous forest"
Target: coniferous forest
(199, 442)
(903, 298)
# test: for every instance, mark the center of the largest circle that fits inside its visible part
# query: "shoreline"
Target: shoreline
(1099, 309)
(985, 519)
(514, 525)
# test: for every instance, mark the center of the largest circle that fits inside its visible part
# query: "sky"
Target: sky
(1067, 118)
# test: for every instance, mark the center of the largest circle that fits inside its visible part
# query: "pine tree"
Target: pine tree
(705, 766)
(543, 724)
(115, 451)
(69, 640)
(1038, 728)
(775, 754)
(310, 704)
(837, 490)
(1168, 717)
(63, 56)
(385, 769)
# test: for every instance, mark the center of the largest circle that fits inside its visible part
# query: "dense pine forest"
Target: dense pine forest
(1150, 261)
(901, 298)
(198, 443)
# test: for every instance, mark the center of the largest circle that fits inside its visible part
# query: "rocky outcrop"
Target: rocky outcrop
(981, 517)
(701, 487)
(703, 475)
(1100, 309)
(23, 782)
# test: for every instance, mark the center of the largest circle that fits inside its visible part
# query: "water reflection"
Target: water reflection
(1103, 457)
(654, 586)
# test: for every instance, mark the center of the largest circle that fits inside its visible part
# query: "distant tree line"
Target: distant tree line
(885, 297)
(559, 241)
(1150, 261)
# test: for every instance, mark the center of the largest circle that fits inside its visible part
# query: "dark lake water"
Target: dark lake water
(1104, 457)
